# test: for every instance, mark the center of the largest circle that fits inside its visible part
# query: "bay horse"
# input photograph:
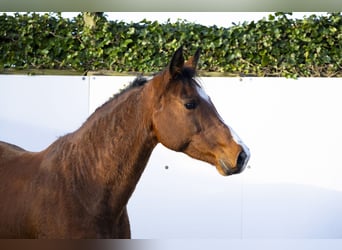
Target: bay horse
(79, 186)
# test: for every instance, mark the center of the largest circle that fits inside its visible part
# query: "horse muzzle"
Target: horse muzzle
(226, 169)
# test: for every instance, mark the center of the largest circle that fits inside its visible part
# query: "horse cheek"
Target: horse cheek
(166, 129)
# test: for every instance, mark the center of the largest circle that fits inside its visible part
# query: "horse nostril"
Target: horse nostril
(241, 160)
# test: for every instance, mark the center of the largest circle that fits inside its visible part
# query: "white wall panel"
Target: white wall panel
(35, 110)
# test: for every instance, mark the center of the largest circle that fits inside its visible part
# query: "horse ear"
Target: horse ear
(193, 61)
(177, 63)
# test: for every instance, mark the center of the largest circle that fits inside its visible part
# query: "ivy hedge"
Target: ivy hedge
(274, 46)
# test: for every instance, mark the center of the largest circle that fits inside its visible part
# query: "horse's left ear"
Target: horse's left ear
(193, 61)
(177, 63)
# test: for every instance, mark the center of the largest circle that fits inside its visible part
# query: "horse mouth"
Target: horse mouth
(225, 169)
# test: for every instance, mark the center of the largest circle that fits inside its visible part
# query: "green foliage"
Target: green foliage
(276, 46)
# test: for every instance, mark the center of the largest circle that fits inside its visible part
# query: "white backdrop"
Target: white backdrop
(292, 189)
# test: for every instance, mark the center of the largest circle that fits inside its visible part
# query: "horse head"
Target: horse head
(185, 119)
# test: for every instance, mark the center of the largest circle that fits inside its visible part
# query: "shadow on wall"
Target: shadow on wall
(291, 211)
(266, 211)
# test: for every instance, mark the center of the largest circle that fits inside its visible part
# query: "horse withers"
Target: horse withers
(79, 186)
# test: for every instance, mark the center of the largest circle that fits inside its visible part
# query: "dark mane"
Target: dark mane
(137, 82)
(140, 80)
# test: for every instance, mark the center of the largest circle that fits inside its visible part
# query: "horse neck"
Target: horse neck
(110, 151)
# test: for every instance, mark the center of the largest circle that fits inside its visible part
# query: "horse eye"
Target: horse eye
(190, 105)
